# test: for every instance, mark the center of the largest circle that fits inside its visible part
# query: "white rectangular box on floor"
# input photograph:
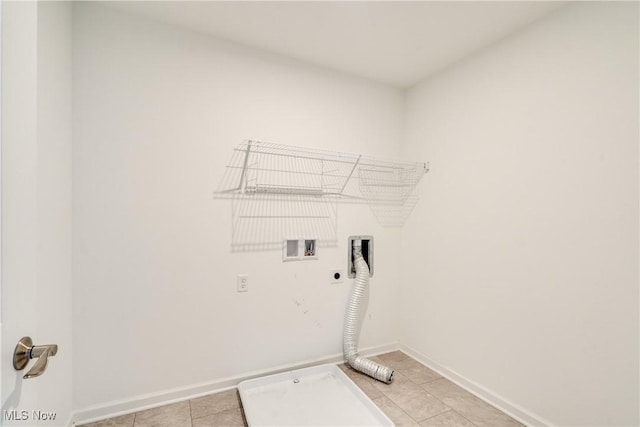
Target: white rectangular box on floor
(317, 396)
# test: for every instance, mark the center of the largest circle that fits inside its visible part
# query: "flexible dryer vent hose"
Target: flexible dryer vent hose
(359, 294)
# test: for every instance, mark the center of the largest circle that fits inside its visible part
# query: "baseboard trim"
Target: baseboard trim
(166, 397)
(513, 410)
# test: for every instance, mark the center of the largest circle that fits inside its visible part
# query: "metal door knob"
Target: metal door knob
(25, 350)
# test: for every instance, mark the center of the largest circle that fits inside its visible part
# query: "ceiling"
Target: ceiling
(394, 42)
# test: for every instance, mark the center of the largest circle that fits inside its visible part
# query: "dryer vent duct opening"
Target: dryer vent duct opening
(353, 318)
(365, 246)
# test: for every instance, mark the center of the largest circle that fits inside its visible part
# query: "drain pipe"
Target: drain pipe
(359, 293)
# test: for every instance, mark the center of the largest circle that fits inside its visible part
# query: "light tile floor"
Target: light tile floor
(417, 397)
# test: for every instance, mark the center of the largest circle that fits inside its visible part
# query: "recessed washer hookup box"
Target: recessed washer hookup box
(317, 396)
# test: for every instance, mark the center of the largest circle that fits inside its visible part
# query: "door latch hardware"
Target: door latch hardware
(25, 350)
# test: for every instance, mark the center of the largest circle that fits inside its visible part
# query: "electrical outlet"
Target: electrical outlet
(336, 276)
(243, 283)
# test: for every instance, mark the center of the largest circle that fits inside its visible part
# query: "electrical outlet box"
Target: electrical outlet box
(243, 283)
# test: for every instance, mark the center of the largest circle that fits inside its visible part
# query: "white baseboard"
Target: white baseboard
(515, 411)
(153, 400)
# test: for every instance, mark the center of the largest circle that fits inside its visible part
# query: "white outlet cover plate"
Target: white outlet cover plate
(243, 283)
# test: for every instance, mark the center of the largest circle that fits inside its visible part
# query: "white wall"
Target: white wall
(157, 112)
(36, 179)
(520, 266)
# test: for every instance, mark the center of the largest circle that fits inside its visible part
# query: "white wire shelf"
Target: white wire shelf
(274, 170)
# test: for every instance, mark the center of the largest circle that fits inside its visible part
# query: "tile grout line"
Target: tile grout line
(419, 385)
(472, 423)
(384, 394)
(396, 405)
(441, 401)
(436, 415)
(450, 410)
(435, 397)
